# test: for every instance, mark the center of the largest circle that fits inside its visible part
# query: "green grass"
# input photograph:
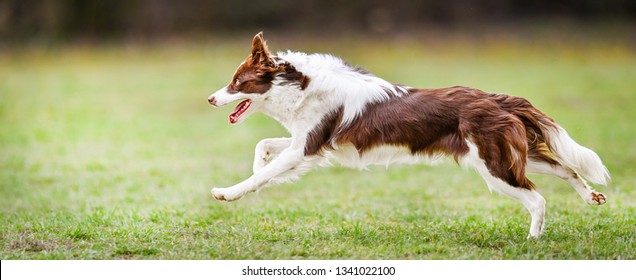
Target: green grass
(110, 153)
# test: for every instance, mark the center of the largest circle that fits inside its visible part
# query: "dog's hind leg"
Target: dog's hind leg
(530, 198)
(268, 149)
(537, 165)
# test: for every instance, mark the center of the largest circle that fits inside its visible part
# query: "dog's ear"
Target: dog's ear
(260, 54)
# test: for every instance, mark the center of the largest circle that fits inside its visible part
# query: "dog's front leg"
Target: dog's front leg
(288, 159)
(268, 149)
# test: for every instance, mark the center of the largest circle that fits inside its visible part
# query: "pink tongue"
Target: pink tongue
(239, 110)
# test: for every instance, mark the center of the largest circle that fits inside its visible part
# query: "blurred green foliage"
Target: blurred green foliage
(70, 20)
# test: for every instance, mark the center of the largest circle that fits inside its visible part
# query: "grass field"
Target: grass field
(110, 152)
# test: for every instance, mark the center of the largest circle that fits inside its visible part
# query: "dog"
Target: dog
(336, 112)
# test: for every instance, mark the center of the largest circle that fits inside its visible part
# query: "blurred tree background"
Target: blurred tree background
(72, 20)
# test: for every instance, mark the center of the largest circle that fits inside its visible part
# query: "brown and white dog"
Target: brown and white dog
(335, 112)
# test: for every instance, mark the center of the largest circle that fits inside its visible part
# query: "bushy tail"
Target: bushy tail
(541, 128)
(580, 159)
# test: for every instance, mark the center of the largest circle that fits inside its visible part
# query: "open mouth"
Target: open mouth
(239, 110)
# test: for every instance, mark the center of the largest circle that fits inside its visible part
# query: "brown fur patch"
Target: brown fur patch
(256, 73)
(251, 77)
(321, 136)
(291, 76)
(506, 129)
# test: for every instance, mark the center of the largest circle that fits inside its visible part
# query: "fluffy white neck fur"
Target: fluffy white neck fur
(334, 81)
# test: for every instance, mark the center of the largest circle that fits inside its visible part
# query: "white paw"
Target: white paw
(535, 233)
(596, 198)
(226, 194)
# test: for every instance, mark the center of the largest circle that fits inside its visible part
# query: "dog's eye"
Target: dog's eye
(237, 82)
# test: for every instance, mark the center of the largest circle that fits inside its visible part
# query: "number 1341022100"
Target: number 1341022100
(365, 270)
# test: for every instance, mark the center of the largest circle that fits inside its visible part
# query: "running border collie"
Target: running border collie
(336, 112)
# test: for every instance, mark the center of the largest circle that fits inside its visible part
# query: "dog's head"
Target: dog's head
(256, 81)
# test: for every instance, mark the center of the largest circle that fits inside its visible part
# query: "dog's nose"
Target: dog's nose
(212, 100)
